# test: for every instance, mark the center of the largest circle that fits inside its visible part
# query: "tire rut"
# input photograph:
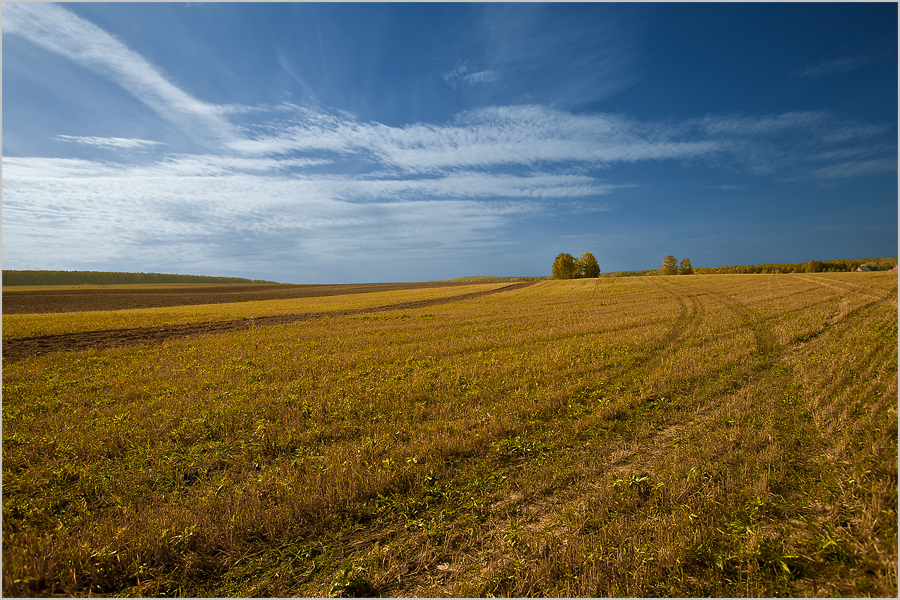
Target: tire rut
(21, 348)
(684, 326)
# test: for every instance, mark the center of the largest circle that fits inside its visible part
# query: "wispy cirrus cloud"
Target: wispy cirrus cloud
(109, 142)
(740, 125)
(462, 75)
(579, 57)
(838, 65)
(483, 138)
(726, 187)
(290, 177)
(849, 169)
(531, 135)
(58, 30)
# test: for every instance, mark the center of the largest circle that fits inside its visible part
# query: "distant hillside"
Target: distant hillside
(106, 278)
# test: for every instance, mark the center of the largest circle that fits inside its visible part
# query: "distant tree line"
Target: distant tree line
(630, 273)
(813, 266)
(567, 266)
(107, 278)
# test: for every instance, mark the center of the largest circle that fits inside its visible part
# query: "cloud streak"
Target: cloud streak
(60, 31)
(530, 136)
(109, 142)
(463, 76)
(839, 65)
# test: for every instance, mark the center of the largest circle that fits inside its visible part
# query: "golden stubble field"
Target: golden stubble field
(725, 435)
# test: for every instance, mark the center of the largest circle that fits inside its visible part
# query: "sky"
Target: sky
(351, 143)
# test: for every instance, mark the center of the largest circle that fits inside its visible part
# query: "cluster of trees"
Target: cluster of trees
(670, 266)
(567, 266)
(107, 278)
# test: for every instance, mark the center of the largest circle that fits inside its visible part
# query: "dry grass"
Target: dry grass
(674, 436)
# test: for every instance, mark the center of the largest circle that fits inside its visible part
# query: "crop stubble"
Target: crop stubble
(19, 348)
(708, 435)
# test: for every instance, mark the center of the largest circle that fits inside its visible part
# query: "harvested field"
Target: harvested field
(709, 435)
(73, 299)
(19, 348)
(52, 324)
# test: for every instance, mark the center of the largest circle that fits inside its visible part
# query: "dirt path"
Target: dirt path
(21, 348)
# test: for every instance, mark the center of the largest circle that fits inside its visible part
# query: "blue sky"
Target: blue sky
(337, 143)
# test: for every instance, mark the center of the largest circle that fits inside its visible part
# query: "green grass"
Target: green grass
(666, 436)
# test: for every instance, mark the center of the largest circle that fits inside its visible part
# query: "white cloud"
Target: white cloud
(585, 207)
(726, 187)
(763, 126)
(503, 137)
(854, 152)
(484, 138)
(462, 75)
(859, 168)
(109, 142)
(187, 207)
(548, 53)
(839, 65)
(286, 180)
(494, 137)
(60, 31)
(480, 77)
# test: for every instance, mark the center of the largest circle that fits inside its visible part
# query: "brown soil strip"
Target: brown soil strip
(91, 299)
(18, 349)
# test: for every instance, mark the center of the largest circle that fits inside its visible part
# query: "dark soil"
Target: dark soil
(18, 349)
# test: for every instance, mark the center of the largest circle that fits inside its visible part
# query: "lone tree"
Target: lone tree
(565, 267)
(669, 266)
(685, 267)
(589, 266)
